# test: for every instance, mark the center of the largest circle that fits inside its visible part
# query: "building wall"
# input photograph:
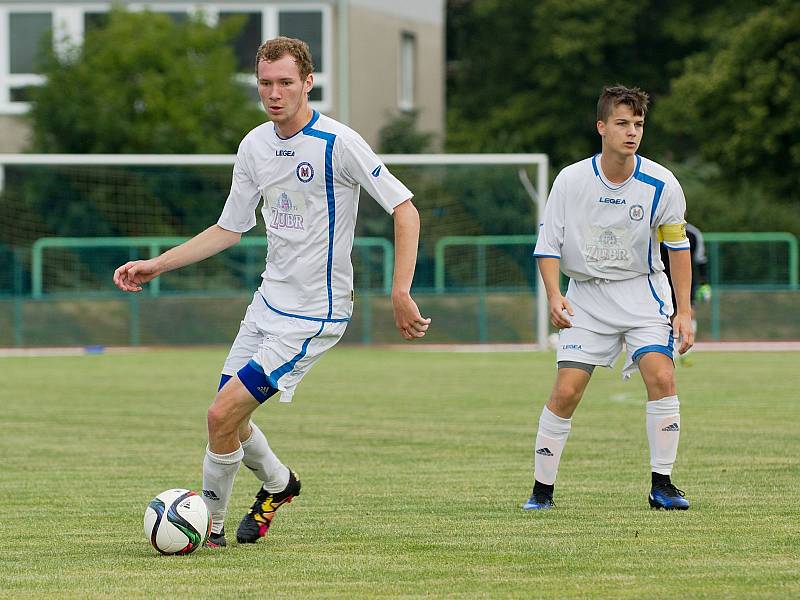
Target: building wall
(374, 33)
(14, 133)
(374, 58)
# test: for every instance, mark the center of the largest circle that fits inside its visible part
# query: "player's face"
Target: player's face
(622, 132)
(284, 94)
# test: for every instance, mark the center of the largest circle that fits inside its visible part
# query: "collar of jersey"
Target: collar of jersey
(607, 183)
(309, 125)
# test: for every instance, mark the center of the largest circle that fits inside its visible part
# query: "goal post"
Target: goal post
(116, 195)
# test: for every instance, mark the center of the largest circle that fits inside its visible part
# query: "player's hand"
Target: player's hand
(559, 304)
(683, 332)
(133, 274)
(407, 317)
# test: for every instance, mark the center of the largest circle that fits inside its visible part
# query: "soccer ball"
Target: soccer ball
(177, 522)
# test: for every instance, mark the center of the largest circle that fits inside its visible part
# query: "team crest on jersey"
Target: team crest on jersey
(636, 212)
(305, 172)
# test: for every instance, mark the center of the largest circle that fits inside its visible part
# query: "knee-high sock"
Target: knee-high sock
(663, 433)
(261, 460)
(550, 441)
(219, 471)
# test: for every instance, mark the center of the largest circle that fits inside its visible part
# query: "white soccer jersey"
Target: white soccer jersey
(610, 231)
(310, 185)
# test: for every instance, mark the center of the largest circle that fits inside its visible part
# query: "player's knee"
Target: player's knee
(566, 393)
(220, 419)
(663, 381)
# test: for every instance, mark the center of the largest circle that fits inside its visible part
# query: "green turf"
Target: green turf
(414, 466)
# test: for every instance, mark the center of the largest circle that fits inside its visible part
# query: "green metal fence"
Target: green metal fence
(746, 270)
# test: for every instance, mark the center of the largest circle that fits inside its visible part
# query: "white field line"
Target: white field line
(699, 347)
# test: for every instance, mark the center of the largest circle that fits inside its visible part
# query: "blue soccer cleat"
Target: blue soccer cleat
(541, 498)
(665, 496)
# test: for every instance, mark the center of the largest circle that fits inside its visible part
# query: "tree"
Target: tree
(525, 76)
(738, 103)
(143, 84)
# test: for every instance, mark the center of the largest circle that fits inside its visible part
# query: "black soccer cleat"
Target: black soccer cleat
(255, 523)
(216, 540)
(541, 497)
(665, 496)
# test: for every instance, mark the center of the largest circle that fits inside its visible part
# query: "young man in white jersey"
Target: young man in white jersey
(308, 170)
(603, 223)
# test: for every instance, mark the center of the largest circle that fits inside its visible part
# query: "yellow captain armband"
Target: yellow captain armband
(672, 233)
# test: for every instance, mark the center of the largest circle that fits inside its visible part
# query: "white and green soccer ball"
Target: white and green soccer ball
(177, 521)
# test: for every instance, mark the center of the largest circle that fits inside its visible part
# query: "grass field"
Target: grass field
(414, 465)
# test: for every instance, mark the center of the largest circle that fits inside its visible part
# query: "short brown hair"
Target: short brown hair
(279, 47)
(611, 96)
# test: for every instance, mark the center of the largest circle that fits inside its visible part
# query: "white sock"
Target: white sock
(261, 460)
(663, 433)
(550, 440)
(219, 471)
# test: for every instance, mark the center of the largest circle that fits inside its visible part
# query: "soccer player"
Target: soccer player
(308, 169)
(602, 226)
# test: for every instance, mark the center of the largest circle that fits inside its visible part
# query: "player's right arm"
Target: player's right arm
(549, 245)
(550, 272)
(132, 275)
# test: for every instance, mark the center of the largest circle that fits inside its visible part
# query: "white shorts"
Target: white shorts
(634, 312)
(274, 351)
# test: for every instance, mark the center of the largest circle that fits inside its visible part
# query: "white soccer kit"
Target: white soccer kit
(310, 185)
(606, 237)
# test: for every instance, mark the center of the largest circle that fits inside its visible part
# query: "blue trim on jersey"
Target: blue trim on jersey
(656, 183)
(315, 319)
(667, 350)
(545, 255)
(314, 118)
(329, 138)
(655, 295)
(621, 185)
(286, 367)
(674, 249)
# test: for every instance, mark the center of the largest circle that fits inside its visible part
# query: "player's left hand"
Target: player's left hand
(683, 331)
(407, 317)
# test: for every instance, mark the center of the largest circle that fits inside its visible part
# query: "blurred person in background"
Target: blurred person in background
(602, 227)
(701, 290)
(308, 170)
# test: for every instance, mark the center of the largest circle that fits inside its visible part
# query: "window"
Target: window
(26, 34)
(247, 40)
(306, 26)
(407, 71)
(22, 31)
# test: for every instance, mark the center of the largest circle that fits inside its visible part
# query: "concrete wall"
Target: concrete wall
(14, 133)
(374, 59)
(375, 30)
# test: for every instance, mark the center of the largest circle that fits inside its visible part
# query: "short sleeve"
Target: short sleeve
(360, 165)
(672, 216)
(551, 229)
(239, 212)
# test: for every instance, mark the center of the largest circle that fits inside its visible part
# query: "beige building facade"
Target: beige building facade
(374, 59)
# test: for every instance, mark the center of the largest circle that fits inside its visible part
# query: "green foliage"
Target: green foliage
(723, 77)
(739, 101)
(401, 136)
(143, 84)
